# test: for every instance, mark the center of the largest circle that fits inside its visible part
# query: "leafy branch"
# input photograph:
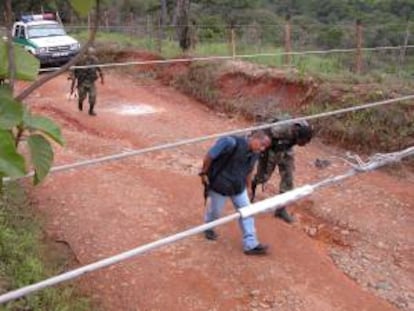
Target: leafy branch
(16, 120)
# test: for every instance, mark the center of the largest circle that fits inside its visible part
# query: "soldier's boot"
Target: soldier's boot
(284, 215)
(210, 234)
(80, 105)
(91, 112)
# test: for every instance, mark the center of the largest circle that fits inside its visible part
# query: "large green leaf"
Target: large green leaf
(41, 153)
(45, 125)
(11, 111)
(27, 66)
(82, 6)
(11, 163)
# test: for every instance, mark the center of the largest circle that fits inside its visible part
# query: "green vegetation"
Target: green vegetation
(23, 255)
(200, 82)
(382, 129)
(16, 120)
(259, 28)
(315, 23)
(338, 66)
(24, 259)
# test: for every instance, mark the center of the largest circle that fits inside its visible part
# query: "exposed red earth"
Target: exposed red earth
(351, 248)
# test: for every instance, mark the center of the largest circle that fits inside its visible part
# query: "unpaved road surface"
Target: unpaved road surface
(351, 248)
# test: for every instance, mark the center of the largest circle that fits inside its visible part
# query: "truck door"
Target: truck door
(19, 34)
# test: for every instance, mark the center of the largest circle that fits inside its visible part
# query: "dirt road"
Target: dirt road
(351, 248)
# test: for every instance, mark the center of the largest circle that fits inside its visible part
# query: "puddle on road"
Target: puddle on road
(132, 110)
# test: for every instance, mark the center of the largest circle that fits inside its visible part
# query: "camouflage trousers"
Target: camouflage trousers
(87, 89)
(267, 164)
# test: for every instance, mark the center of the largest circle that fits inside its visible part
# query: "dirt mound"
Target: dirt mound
(233, 81)
(251, 90)
(287, 95)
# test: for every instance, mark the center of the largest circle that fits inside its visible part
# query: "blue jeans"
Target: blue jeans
(215, 208)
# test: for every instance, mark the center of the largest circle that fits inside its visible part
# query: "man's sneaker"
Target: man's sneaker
(210, 234)
(284, 215)
(92, 113)
(260, 249)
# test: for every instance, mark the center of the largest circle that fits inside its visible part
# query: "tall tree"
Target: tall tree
(183, 21)
(164, 12)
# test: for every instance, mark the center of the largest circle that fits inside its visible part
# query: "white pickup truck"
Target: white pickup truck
(45, 38)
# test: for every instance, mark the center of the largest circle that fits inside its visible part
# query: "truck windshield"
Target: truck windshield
(37, 31)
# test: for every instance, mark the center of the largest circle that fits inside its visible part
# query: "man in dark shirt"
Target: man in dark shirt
(227, 169)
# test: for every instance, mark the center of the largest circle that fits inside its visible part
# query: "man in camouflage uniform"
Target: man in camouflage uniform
(280, 153)
(85, 78)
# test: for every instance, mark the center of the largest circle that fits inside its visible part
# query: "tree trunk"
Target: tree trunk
(163, 18)
(164, 13)
(183, 33)
(10, 50)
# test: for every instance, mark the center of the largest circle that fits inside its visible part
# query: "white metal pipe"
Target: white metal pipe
(114, 259)
(248, 211)
(276, 202)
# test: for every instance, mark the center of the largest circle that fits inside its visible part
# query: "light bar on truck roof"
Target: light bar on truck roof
(38, 17)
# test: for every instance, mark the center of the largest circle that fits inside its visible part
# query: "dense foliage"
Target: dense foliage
(315, 23)
(321, 11)
(325, 11)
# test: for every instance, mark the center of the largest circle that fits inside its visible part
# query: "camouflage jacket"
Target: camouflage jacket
(282, 137)
(87, 75)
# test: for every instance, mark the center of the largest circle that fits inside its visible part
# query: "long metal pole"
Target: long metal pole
(112, 260)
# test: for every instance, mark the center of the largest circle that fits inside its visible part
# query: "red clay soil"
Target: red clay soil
(105, 209)
(285, 93)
